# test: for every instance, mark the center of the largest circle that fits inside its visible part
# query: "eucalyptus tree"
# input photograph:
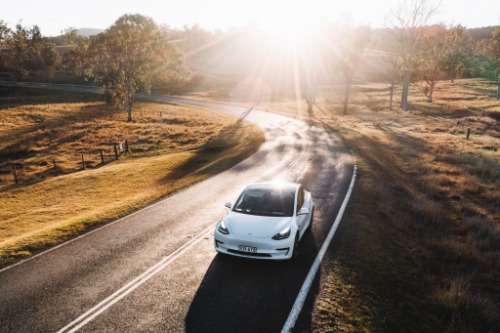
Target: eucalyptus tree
(5, 34)
(131, 56)
(492, 50)
(78, 59)
(408, 22)
(28, 52)
(458, 46)
(431, 59)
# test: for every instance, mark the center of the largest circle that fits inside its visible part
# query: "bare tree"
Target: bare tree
(349, 49)
(388, 68)
(408, 22)
(394, 75)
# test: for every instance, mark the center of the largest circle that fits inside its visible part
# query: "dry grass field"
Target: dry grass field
(419, 248)
(171, 147)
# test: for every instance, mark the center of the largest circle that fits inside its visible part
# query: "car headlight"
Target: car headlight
(285, 233)
(222, 228)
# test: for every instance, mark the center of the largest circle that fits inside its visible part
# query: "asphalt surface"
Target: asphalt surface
(157, 270)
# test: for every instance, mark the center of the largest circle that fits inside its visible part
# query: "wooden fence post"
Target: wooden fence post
(102, 157)
(116, 152)
(55, 167)
(83, 163)
(15, 174)
(468, 133)
(127, 147)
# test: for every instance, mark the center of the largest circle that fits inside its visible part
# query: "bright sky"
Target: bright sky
(53, 16)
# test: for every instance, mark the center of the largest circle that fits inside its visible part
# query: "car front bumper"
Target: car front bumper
(269, 249)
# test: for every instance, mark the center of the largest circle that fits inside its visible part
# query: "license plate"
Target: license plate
(248, 249)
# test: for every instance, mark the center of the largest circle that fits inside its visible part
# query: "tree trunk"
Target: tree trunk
(498, 84)
(309, 106)
(431, 92)
(498, 89)
(391, 95)
(346, 96)
(310, 100)
(406, 87)
(129, 106)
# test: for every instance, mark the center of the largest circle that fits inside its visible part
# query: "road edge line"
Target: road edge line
(105, 304)
(306, 286)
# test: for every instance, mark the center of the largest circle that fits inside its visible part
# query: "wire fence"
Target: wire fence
(18, 173)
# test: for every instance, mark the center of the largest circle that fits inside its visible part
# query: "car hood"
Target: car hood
(256, 226)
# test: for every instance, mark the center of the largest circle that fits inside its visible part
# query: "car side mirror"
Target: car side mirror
(228, 205)
(304, 211)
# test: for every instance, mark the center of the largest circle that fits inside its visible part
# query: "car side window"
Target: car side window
(300, 198)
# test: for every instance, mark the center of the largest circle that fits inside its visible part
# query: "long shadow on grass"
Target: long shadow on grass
(25, 145)
(27, 142)
(490, 91)
(217, 155)
(394, 249)
(20, 96)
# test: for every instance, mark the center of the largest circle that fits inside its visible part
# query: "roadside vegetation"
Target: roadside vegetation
(171, 147)
(419, 247)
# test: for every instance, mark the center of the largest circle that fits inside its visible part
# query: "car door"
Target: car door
(302, 218)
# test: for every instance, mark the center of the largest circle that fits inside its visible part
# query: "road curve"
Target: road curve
(157, 271)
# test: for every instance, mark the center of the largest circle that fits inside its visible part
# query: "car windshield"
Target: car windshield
(266, 202)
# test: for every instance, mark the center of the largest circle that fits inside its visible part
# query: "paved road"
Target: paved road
(157, 270)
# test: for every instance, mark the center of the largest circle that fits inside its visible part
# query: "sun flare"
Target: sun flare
(289, 21)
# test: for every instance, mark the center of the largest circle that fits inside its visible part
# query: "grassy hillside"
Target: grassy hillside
(171, 147)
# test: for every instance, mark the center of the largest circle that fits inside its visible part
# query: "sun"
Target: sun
(289, 21)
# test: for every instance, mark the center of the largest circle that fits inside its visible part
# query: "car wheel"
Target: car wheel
(295, 250)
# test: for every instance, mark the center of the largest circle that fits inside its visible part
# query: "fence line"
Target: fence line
(13, 174)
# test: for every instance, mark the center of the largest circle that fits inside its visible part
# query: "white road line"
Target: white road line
(149, 273)
(79, 237)
(306, 286)
(145, 276)
(132, 285)
(125, 217)
(105, 304)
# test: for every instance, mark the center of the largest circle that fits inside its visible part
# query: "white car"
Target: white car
(267, 222)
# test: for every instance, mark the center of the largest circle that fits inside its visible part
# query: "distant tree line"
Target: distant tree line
(132, 55)
(136, 54)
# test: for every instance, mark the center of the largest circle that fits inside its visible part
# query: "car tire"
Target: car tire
(309, 227)
(312, 219)
(295, 249)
